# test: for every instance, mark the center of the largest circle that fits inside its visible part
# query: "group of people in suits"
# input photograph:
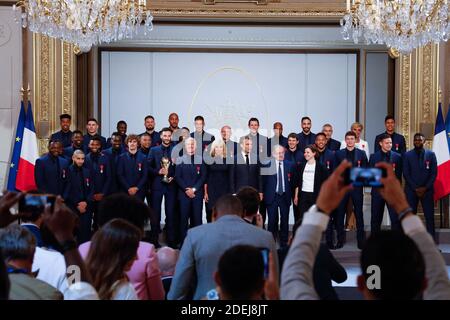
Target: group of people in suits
(190, 170)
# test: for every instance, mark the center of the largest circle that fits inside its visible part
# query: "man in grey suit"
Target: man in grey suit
(401, 280)
(205, 244)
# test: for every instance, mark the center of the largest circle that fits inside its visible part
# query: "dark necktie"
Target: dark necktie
(247, 160)
(280, 180)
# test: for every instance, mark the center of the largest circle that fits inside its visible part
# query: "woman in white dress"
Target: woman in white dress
(112, 253)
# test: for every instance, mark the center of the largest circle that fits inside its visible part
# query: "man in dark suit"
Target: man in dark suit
(64, 135)
(294, 155)
(398, 141)
(358, 159)
(149, 123)
(132, 170)
(245, 170)
(99, 166)
(121, 128)
(385, 154)
(327, 159)
(190, 175)
(77, 144)
(78, 195)
(202, 138)
(259, 142)
(306, 137)
(278, 137)
(92, 131)
(163, 185)
(332, 144)
(113, 153)
(420, 171)
(50, 170)
(173, 125)
(278, 183)
(232, 147)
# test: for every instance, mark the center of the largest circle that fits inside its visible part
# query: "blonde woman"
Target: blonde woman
(360, 144)
(217, 183)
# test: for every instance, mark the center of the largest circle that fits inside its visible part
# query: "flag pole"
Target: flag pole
(441, 202)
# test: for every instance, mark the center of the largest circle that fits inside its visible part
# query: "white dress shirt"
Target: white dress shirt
(361, 145)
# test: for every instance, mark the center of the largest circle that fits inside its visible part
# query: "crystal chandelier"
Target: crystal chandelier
(85, 23)
(402, 25)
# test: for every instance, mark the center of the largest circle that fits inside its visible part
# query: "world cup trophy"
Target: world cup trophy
(165, 164)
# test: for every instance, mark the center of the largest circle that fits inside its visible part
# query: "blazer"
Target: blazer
(260, 147)
(359, 161)
(327, 159)
(50, 175)
(320, 175)
(64, 137)
(333, 145)
(398, 142)
(304, 140)
(203, 247)
(296, 157)
(132, 172)
(87, 138)
(100, 172)
(217, 182)
(190, 174)
(154, 165)
(203, 139)
(419, 172)
(270, 181)
(393, 158)
(77, 190)
(282, 140)
(113, 156)
(241, 176)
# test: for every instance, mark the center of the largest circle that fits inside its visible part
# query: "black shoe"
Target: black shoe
(339, 245)
(331, 246)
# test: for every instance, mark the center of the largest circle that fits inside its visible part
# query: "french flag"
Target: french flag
(28, 155)
(441, 149)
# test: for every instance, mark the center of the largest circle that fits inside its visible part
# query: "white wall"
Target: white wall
(10, 83)
(228, 88)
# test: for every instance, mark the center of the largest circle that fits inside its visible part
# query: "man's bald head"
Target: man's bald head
(167, 258)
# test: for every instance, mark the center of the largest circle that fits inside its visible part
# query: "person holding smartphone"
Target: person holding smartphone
(78, 194)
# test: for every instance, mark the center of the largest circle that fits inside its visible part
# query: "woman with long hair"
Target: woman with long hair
(217, 183)
(112, 253)
(311, 176)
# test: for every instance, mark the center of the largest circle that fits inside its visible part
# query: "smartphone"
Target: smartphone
(265, 256)
(366, 177)
(36, 202)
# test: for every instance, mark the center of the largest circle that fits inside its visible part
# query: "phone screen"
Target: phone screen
(265, 256)
(367, 177)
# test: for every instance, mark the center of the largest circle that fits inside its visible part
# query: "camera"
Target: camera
(36, 203)
(364, 177)
(265, 256)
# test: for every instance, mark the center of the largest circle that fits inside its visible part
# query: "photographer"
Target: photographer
(403, 272)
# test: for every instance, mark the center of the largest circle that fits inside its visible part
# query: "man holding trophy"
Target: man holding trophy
(162, 172)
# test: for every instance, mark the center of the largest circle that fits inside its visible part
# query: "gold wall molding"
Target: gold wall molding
(418, 81)
(53, 85)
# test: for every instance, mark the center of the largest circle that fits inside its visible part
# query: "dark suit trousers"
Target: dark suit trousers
(190, 209)
(332, 224)
(357, 197)
(169, 205)
(427, 206)
(84, 230)
(377, 210)
(305, 201)
(94, 207)
(272, 211)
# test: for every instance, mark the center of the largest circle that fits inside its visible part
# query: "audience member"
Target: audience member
(209, 242)
(144, 273)
(168, 259)
(250, 200)
(112, 253)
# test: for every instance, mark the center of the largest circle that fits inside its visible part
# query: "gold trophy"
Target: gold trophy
(165, 164)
